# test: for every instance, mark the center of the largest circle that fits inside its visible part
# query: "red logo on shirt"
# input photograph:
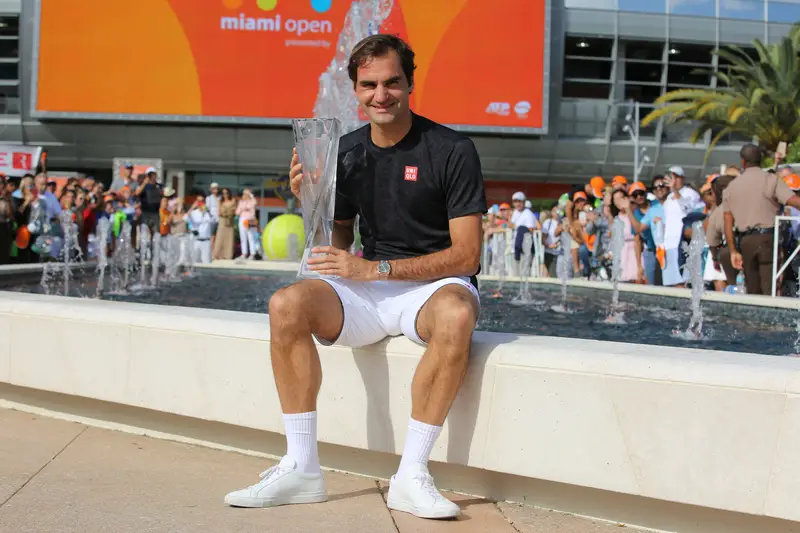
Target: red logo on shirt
(411, 173)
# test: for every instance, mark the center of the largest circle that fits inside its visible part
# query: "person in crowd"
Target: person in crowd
(595, 190)
(164, 217)
(574, 223)
(551, 233)
(246, 211)
(22, 212)
(6, 222)
(522, 221)
(680, 201)
(125, 179)
(178, 228)
(750, 204)
(719, 252)
(46, 193)
(712, 271)
(149, 193)
(620, 208)
(442, 244)
(224, 242)
(212, 206)
(646, 247)
(200, 223)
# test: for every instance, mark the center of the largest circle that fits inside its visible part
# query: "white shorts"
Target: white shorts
(379, 309)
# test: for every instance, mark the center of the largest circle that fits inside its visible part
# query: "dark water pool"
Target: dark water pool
(649, 319)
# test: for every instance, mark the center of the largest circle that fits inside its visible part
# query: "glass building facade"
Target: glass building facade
(604, 56)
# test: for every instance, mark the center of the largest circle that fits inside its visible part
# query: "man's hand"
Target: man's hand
(337, 262)
(736, 260)
(295, 174)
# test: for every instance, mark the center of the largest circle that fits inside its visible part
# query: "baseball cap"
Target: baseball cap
(151, 170)
(214, 185)
(792, 181)
(128, 165)
(597, 184)
(580, 195)
(678, 171)
(505, 205)
(528, 204)
(518, 196)
(619, 180)
(636, 186)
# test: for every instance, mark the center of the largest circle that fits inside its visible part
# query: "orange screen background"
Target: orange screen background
(171, 57)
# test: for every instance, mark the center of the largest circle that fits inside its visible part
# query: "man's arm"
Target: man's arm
(343, 234)
(462, 258)
(729, 235)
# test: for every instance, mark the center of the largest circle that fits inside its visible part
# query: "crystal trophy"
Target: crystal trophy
(317, 144)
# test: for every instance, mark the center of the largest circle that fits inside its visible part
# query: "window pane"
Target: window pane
(704, 8)
(643, 6)
(9, 25)
(649, 72)
(644, 50)
(642, 93)
(591, 4)
(593, 69)
(576, 89)
(786, 12)
(742, 9)
(9, 71)
(583, 118)
(690, 53)
(9, 100)
(588, 46)
(9, 49)
(687, 75)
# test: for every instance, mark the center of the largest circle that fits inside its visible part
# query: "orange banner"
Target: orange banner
(479, 63)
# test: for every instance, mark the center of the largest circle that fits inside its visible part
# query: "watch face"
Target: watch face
(384, 267)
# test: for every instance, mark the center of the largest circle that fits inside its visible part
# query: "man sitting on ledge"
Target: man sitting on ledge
(418, 189)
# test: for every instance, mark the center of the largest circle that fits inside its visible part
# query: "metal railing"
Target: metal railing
(505, 240)
(776, 270)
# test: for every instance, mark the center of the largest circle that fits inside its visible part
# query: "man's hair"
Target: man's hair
(656, 178)
(751, 155)
(379, 46)
(719, 185)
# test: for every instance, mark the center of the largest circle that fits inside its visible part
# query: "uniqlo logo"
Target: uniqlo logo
(411, 173)
(22, 161)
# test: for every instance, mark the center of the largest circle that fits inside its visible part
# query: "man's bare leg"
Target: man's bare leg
(445, 322)
(295, 313)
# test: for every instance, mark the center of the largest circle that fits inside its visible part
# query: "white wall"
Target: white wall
(712, 429)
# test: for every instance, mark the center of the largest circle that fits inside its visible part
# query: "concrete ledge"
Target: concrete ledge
(715, 430)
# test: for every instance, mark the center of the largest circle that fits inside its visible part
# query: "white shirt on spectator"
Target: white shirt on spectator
(212, 203)
(524, 218)
(200, 221)
(674, 211)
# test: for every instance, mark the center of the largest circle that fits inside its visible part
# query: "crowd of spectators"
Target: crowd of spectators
(34, 209)
(658, 219)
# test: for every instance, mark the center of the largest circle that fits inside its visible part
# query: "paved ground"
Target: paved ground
(58, 476)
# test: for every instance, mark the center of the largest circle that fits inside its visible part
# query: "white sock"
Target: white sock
(301, 441)
(419, 444)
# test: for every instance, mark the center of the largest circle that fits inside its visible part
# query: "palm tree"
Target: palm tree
(757, 97)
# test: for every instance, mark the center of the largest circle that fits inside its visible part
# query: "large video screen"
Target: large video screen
(481, 65)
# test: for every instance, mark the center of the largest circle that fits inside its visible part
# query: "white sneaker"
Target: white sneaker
(413, 492)
(281, 485)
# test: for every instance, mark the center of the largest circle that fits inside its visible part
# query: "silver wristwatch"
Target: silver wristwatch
(384, 269)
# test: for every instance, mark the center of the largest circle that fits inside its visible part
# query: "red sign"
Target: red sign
(19, 160)
(411, 173)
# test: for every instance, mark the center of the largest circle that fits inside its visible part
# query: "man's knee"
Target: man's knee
(286, 306)
(455, 313)
(308, 306)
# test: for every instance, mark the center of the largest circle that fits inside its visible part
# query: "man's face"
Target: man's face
(382, 89)
(215, 191)
(519, 205)
(639, 197)
(40, 183)
(660, 189)
(786, 172)
(127, 172)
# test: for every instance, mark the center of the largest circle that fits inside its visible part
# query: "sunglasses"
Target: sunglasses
(638, 194)
(660, 186)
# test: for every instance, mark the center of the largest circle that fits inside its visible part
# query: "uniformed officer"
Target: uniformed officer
(751, 203)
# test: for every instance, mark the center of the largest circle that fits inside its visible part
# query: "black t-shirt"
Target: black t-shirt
(405, 195)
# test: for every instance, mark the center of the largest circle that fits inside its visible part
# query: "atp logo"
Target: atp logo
(320, 6)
